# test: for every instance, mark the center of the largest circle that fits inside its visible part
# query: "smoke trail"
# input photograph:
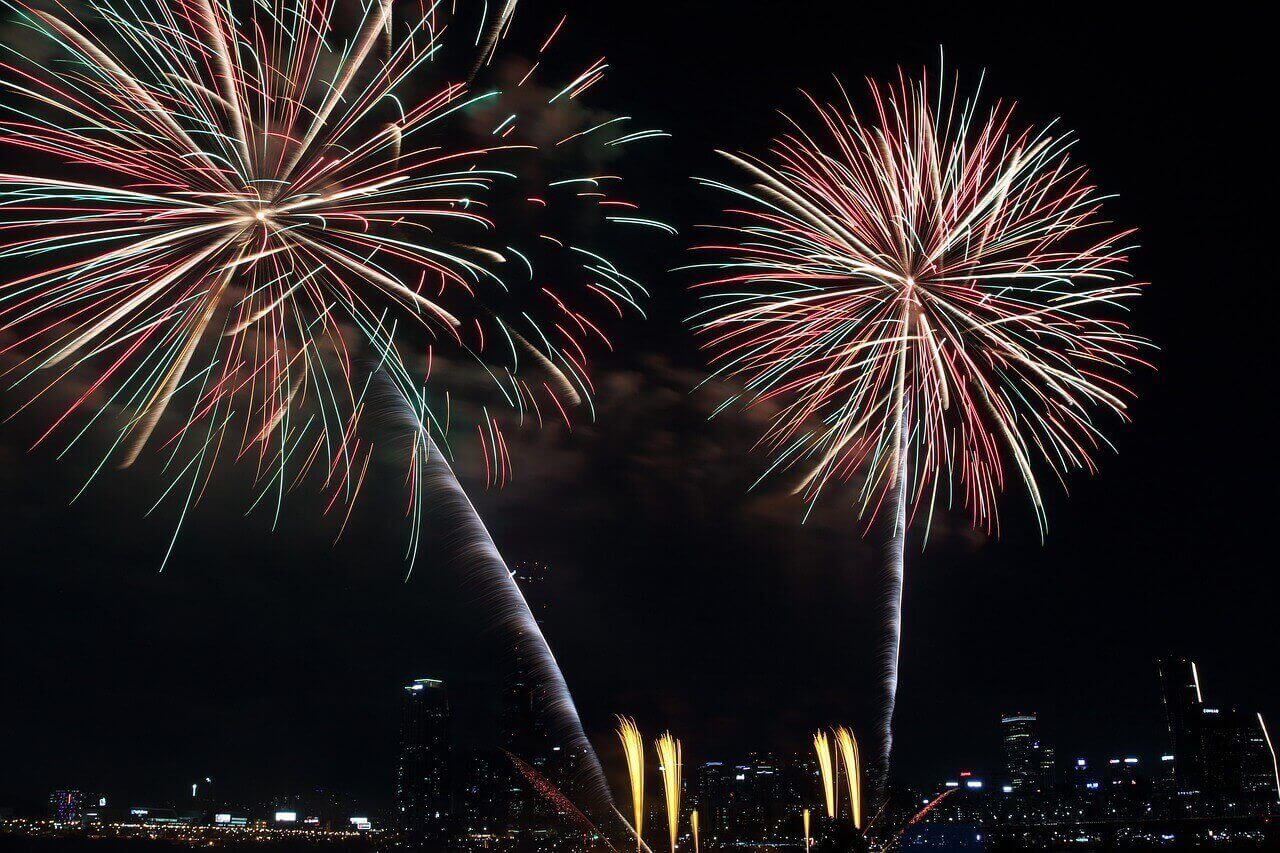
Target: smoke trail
(891, 600)
(891, 606)
(466, 543)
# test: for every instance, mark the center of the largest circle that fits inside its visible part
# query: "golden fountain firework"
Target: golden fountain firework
(693, 822)
(670, 765)
(826, 765)
(633, 748)
(848, 745)
(808, 840)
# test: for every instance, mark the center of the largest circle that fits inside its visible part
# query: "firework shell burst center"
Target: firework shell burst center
(927, 296)
(237, 213)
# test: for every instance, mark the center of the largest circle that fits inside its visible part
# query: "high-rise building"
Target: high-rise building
(1219, 753)
(751, 802)
(1029, 764)
(713, 798)
(479, 816)
(1048, 768)
(424, 778)
(67, 806)
(1261, 771)
(1180, 690)
(524, 724)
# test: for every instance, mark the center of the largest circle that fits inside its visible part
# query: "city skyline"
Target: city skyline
(436, 773)
(1216, 775)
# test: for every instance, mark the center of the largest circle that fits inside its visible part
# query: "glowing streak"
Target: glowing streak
(848, 746)
(1275, 769)
(928, 808)
(827, 771)
(633, 749)
(566, 387)
(155, 408)
(693, 825)
(669, 761)
(639, 841)
(491, 38)
(372, 27)
(808, 835)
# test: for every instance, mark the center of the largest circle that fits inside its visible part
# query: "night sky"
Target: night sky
(272, 660)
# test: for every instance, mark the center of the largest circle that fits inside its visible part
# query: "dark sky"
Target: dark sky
(272, 660)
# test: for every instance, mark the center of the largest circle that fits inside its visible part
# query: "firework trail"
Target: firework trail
(924, 294)
(556, 797)
(693, 825)
(671, 765)
(808, 836)
(230, 205)
(467, 544)
(1275, 767)
(848, 747)
(827, 771)
(633, 749)
(631, 829)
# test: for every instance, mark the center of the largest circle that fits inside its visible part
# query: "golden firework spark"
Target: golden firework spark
(807, 839)
(848, 745)
(670, 765)
(693, 822)
(633, 748)
(826, 765)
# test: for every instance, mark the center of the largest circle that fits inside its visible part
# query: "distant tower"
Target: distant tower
(523, 720)
(1028, 763)
(523, 727)
(1183, 701)
(1048, 768)
(423, 784)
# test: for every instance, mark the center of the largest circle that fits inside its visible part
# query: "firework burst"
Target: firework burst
(235, 211)
(926, 297)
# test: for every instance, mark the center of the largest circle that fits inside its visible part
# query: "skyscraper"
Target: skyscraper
(1028, 763)
(1180, 690)
(1219, 753)
(423, 784)
(524, 724)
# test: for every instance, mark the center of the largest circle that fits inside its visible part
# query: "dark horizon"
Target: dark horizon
(675, 595)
